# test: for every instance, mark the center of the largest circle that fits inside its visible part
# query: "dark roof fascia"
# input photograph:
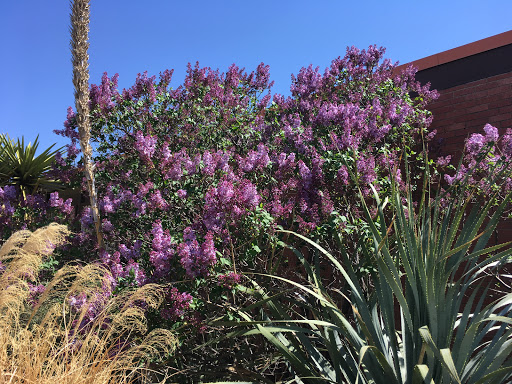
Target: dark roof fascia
(471, 62)
(470, 49)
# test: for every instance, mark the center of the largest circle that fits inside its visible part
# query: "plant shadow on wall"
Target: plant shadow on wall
(427, 320)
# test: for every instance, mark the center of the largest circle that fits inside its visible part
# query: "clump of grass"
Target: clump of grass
(76, 331)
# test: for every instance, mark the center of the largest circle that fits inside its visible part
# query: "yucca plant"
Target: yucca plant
(426, 322)
(20, 166)
(52, 339)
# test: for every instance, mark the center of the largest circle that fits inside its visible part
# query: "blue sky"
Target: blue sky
(128, 37)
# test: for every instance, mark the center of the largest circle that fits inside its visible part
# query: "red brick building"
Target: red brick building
(475, 86)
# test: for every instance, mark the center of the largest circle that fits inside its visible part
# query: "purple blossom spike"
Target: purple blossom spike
(475, 143)
(177, 304)
(491, 133)
(146, 145)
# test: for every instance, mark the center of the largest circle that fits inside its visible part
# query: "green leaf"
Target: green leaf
(422, 375)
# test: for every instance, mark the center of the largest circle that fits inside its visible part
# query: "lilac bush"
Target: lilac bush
(167, 189)
(356, 118)
(31, 211)
(485, 163)
(192, 181)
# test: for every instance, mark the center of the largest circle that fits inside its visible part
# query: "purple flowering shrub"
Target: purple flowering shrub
(485, 163)
(169, 193)
(355, 118)
(32, 211)
(192, 181)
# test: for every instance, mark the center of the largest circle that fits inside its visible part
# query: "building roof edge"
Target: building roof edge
(466, 50)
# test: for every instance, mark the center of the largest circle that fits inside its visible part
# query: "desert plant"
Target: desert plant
(427, 321)
(19, 165)
(72, 330)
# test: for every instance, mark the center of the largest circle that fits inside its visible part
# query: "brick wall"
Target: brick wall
(475, 86)
(465, 109)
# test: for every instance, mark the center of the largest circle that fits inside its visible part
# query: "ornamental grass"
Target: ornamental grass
(75, 330)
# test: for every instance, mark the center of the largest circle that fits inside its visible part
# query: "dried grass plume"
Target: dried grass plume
(105, 340)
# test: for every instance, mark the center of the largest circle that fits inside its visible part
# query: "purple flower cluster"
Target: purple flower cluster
(366, 170)
(196, 258)
(177, 304)
(146, 145)
(255, 160)
(486, 161)
(162, 250)
(182, 194)
(65, 206)
(124, 264)
(76, 302)
(92, 303)
(229, 280)
(475, 143)
(8, 193)
(228, 202)
(31, 211)
(34, 292)
(506, 144)
(102, 96)
(7, 205)
(175, 165)
(443, 161)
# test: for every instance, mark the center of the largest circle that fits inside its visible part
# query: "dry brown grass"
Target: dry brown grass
(48, 342)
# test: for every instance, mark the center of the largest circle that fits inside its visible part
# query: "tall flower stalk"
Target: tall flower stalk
(80, 12)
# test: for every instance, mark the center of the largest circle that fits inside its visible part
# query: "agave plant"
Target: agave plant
(20, 166)
(428, 320)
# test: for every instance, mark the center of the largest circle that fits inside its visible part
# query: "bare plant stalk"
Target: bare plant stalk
(80, 12)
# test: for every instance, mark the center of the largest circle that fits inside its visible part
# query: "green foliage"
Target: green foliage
(20, 166)
(426, 322)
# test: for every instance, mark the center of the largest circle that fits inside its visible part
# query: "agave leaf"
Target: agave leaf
(323, 365)
(331, 258)
(443, 355)
(495, 377)
(495, 356)
(349, 278)
(315, 323)
(384, 365)
(464, 337)
(478, 268)
(235, 382)
(422, 375)
(494, 220)
(298, 360)
(449, 364)
(341, 356)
